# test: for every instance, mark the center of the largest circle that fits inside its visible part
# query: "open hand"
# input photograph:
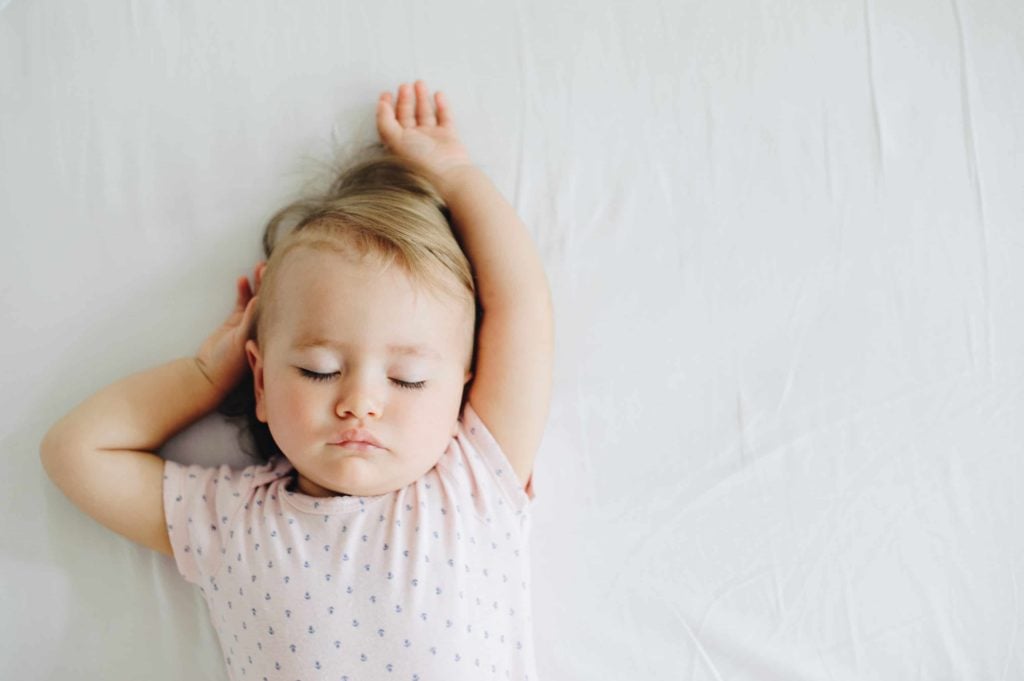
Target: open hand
(416, 133)
(222, 356)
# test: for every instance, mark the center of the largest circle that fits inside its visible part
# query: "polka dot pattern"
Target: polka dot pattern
(428, 582)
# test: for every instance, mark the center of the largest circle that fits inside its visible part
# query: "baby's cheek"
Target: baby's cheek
(292, 405)
(438, 417)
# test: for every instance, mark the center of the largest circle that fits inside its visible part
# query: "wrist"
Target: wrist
(216, 391)
(448, 181)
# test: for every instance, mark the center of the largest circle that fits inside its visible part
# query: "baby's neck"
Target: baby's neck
(293, 482)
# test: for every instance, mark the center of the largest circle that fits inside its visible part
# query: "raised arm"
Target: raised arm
(515, 349)
(102, 454)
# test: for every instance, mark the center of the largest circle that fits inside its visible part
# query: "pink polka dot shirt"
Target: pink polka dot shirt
(427, 583)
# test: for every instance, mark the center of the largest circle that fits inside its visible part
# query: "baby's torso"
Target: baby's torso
(429, 582)
(403, 588)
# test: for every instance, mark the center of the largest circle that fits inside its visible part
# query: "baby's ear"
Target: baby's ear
(252, 353)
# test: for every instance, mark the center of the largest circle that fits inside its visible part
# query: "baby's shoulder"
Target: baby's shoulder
(475, 462)
(217, 488)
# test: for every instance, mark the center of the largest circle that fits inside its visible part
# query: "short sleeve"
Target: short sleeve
(200, 504)
(482, 464)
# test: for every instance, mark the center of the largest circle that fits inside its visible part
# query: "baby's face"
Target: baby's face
(336, 317)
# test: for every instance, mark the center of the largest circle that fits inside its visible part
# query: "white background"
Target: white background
(785, 242)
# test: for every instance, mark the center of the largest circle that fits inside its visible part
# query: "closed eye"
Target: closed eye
(314, 376)
(417, 385)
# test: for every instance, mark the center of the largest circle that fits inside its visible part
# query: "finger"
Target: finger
(258, 278)
(244, 293)
(245, 324)
(424, 107)
(387, 125)
(404, 107)
(250, 310)
(444, 114)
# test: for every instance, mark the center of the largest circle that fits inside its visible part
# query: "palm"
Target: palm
(424, 145)
(222, 355)
(415, 131)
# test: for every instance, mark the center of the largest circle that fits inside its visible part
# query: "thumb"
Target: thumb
(242, 332)
(387, 124)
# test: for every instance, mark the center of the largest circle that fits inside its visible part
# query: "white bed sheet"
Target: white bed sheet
(785, 244)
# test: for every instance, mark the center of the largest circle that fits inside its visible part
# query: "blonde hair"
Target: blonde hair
(380, 208)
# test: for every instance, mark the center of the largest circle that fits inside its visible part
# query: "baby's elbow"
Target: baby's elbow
(47, 447)
(53, 449)
(49, 450)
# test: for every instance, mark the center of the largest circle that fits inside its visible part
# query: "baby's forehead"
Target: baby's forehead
(306, 310)
(415, 348)
(329, 277)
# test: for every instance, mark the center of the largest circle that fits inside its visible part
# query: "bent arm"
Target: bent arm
(515, 355)
(102, 453)
(509, 271)
(141, 411)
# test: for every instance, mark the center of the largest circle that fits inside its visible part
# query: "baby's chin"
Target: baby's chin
(344, 472)
(351, 475)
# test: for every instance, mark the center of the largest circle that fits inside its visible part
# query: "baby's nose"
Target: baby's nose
(359, 401)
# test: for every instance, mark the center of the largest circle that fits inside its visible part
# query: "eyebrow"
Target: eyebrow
(394, 349)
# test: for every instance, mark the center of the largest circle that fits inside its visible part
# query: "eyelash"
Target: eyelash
(314, 376)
